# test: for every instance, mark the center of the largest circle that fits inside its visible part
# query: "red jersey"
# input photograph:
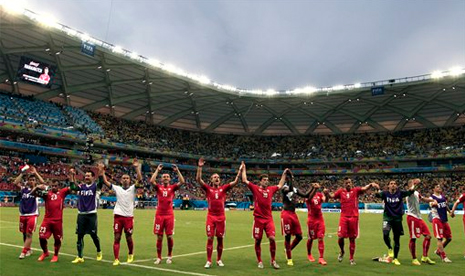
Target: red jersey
(262, 200)
(165, 197)
(349, 201)
(216, 198)
(314, 206)
(54, 203)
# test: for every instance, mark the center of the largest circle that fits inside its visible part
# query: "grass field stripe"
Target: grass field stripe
(203, 252)
(126, 264)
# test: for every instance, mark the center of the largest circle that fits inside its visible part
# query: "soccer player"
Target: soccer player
(263, 219)
(456, 204)
(441, 228)
(290, 224)
(316, 223)
(216, 220)
(124, 210)
(164, 217)
(392, 216)
(87, 212)
(348, 222)
(28, 207)
(416, 225)
(53, 221)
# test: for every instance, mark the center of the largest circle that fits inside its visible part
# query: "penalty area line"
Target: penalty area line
(124, 264)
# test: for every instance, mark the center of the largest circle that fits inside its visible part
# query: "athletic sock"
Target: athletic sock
(159, 243)
(352, 248)
(219, 248)
(412, 248)
(170, 246)
(209, 249)
(258, 250)
(426, 244)
(116, 245)
(321, 247)
(273, 250)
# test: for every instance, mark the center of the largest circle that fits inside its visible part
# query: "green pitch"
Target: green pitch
(239, 255)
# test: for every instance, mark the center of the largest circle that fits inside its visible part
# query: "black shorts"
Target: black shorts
(396, 227)
(86, 224)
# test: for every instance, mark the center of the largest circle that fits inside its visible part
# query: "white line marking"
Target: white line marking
(204, 252)
(106, 261)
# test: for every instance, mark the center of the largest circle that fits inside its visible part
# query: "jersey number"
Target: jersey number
(165, 193)
(43, 229)
(265, 195)
(216, 195)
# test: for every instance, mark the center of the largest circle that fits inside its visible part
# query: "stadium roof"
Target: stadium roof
(126, 85)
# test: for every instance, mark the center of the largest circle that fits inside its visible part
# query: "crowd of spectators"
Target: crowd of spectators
(412, 142)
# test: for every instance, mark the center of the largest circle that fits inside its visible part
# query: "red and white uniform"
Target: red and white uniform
(462, 200)
(416, 225)
(348, 223)
(263, 219)
(216, 220)
(124, 209)
(315, 221)
(164, 217)
(53, 220)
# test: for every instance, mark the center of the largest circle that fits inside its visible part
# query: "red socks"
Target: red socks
(116, 245)
(209, 249)
(159, 243)
(321, 247)
(219, 248)
(412, 248)
(426, 244)
(170, 246)
(273, 249)
(258, 250)
(352, 248)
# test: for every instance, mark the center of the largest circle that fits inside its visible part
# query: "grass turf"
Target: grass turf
(239, 256)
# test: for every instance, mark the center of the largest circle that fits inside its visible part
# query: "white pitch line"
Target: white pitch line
(202, 252)
(126, 264)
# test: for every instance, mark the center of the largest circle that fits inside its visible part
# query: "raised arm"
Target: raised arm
(311, 193)
(198, 176)
(153, 179)
(244, 173)
(180, 177)
(102, 176)
(283, 178)
(236, 180)
(138, 167)
(72, 180)
(36, 173)
(18, 180)
(36, 190)
(328, 194)
(372, 184)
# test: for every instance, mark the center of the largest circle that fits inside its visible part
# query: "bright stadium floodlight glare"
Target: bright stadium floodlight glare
(48, 21)
(13, 7)
(134, 55)
(338, 87)
(437, 75)
(203, 79)
(455, 71)
(357, 85)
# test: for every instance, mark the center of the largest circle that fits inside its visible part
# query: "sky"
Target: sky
(278, 44)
